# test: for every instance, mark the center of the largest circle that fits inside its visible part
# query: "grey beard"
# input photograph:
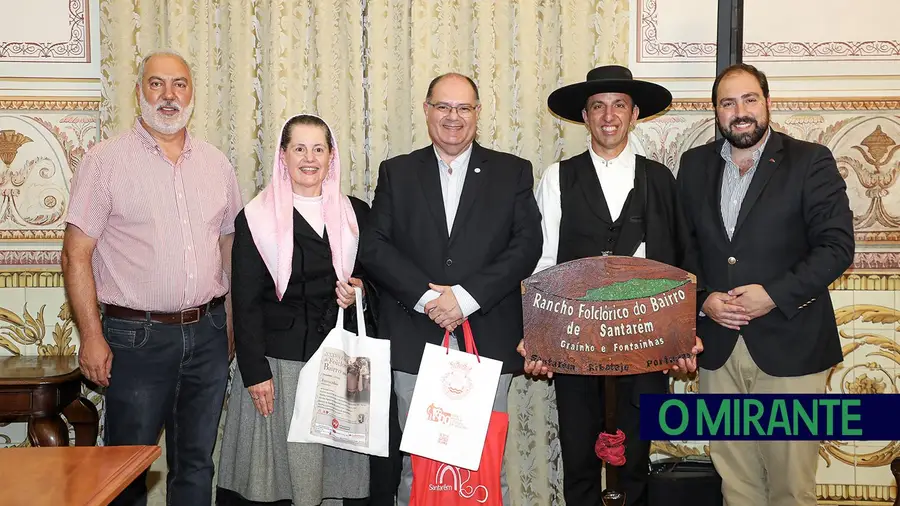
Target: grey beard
(162, 124)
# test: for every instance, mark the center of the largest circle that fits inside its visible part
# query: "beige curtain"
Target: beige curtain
(255, 64)
(365, 67)
(517, 53)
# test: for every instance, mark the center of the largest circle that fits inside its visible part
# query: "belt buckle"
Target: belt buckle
(195, 311)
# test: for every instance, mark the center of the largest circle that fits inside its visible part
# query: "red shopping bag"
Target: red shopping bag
(438, 484)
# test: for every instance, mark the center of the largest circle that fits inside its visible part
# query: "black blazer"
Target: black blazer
(794, 236)
(294, 327)
(495, 244)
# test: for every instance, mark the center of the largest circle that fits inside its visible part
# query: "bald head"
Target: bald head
(452, 76)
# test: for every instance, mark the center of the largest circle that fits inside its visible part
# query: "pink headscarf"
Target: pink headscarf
(271, 221)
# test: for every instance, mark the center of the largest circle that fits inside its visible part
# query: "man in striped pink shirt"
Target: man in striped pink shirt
(150, 226)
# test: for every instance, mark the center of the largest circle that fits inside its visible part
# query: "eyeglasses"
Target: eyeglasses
(463, 110)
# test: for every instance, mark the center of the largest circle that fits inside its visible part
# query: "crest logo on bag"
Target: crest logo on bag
(437, 414)
(457, 484)
(457, 383)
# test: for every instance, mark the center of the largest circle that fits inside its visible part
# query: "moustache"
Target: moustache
(169, 103)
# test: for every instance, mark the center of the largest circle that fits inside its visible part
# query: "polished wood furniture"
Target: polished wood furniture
(37, 389)
(71, 476)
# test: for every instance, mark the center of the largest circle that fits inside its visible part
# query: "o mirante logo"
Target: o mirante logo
(774, 417)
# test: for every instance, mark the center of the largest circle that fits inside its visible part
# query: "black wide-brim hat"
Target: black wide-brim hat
(568, 101)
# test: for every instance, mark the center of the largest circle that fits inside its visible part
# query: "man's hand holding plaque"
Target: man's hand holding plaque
(610, 316)
(533, 367)
(537, 368)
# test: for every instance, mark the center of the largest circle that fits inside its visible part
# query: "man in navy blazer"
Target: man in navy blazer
(454, 229)
(771, 223)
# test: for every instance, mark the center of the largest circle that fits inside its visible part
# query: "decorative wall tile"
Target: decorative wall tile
(37, 278)
(13, 434)
(14, 340)
(39, 152)
(874, 310)
(873, 465)
(837, 466)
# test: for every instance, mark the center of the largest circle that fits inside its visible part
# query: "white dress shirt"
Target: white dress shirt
(452, 178)
(616, 178)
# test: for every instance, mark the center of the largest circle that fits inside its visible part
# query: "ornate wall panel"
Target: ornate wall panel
(39, 152)
(41, 144)
(827, 48)
(47, 32)
(49, 117)
(49, 49)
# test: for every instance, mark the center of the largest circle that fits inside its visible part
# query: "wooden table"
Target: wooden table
(71, 476)
(37, 389)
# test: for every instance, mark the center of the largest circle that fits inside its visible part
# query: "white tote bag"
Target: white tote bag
(451, 404)
(343, 393)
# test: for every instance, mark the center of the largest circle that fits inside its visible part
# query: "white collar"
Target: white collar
(458, 163)
(625, 158)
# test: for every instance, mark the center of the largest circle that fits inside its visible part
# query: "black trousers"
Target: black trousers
(580, 405)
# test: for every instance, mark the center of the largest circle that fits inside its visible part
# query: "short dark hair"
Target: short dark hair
(438, 79)
(304, 119)
(740, 67)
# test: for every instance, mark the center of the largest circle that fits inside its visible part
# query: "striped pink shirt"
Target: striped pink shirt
(157, 224)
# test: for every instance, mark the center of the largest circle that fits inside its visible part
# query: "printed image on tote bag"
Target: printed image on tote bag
(451, 404)
(343, 393)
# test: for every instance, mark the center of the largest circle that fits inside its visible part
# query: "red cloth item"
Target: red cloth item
(438, 484)
(610, 448)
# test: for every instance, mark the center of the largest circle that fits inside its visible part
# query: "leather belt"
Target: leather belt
(185, 316)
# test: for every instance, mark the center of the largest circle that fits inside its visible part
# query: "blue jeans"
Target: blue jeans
(173, 376)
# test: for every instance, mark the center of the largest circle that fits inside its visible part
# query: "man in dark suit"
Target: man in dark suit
(454, 229)
(608, 200)
(770, 218)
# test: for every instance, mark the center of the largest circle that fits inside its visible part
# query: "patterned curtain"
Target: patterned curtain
(365, 66)
(255, 64)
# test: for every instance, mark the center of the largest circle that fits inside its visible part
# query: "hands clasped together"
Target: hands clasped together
(444, 310)
(737, 307)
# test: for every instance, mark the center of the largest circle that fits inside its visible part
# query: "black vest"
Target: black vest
(586, 228)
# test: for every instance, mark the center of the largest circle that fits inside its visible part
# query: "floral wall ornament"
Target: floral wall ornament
(877, 149)
(62, 335)
(10, 142)
(866, 376)
(35, 185)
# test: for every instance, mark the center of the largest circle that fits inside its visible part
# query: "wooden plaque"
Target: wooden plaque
(609, 316)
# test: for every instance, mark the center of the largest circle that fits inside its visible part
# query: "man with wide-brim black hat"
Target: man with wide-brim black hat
(607, 200)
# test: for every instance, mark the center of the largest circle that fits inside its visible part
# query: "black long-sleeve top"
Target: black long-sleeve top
(293, 328)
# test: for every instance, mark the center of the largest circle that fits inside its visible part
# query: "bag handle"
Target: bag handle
(469, 340)
(360, 318)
